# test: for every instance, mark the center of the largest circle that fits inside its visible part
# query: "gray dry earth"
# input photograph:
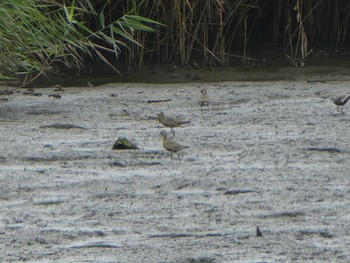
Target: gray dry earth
(67, 197)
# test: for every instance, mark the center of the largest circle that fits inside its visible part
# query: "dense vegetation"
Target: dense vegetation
(40, 36)
(216, 31)
(37, 36)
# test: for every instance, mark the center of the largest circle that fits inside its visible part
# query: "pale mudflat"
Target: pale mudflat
(269, 154)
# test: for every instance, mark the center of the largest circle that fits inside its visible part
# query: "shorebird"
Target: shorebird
(170, 145)
(171, 122)
(203, 99)
(341, 101)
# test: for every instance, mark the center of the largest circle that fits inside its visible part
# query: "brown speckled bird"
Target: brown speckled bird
(170, 145)
(203, 99)
(171, 122)
(341, 101)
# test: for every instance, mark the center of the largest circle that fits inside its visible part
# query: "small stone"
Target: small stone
(58, 88)
(258, 232)
(28, 91)
(124, 144)
(55, 96)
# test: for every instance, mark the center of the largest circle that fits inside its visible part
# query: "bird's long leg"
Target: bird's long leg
(171, 155)
(178, 155)
(169, 132)
(173, 131)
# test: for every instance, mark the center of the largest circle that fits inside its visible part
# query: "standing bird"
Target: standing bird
(171, 122)
(203, 99)
(341, 101)
(170, 145)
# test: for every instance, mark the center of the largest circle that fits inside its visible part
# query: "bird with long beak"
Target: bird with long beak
(340, 102)
(171, 122)
(170, 145)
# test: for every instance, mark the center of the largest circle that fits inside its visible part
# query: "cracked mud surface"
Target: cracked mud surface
(252, 160)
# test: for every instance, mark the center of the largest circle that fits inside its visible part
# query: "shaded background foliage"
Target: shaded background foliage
(36, 36)
(214, 31)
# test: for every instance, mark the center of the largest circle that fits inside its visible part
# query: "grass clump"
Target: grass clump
(38, 36)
